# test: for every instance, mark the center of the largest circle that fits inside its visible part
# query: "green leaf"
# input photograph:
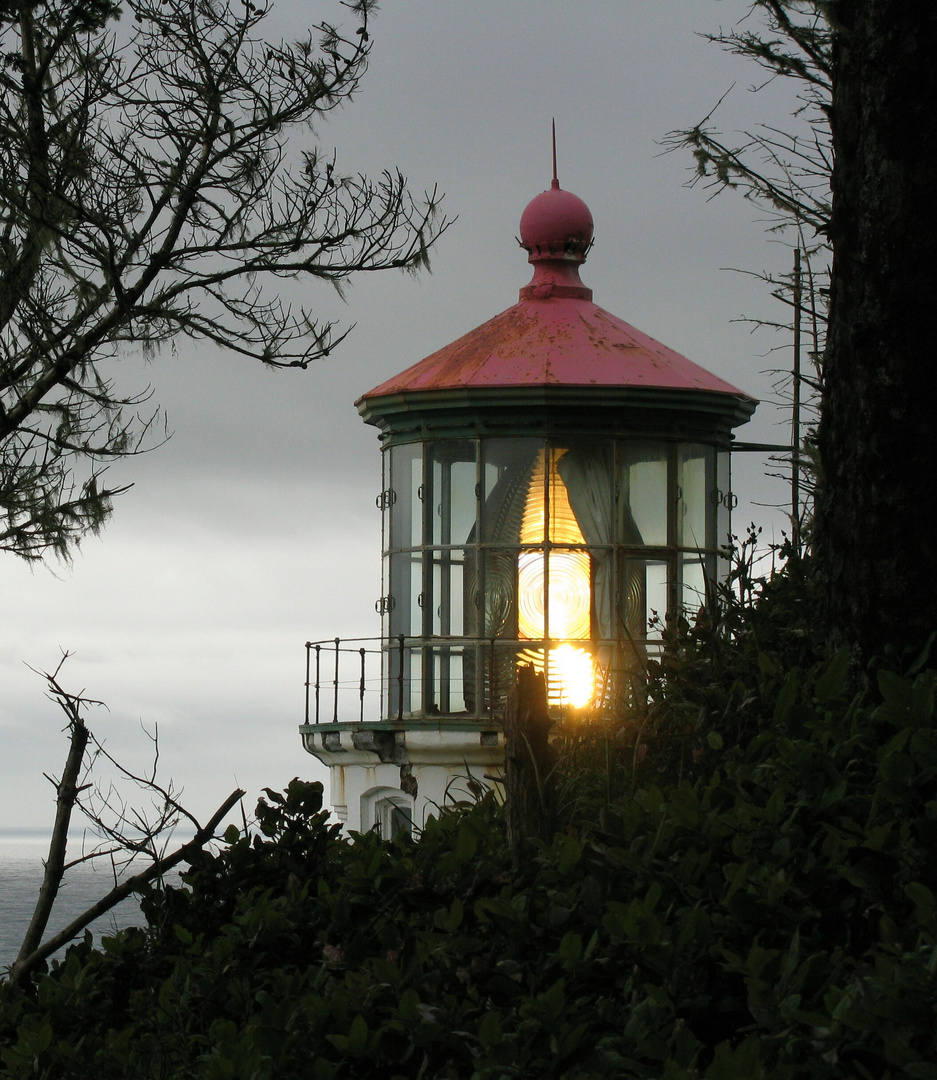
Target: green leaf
(571, 947)
(737, 880)
(551, 1003)
(923, 900)
(449, 921)
(41, 1039)
(832, 682)
(787, 697)
(489, 1030)
(897, 694)
(466, 844)
(898, 768)
(570, 854)
(921, 1070)
(684, 805)
(358, 1035)
(740, 1063)
(769, 665)
(408, 1006)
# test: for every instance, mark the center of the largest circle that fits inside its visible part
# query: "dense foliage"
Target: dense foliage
(743, 885)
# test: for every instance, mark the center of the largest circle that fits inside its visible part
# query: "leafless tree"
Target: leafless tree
(126, 834)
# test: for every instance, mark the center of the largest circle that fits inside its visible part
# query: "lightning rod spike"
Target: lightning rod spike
(556, 182)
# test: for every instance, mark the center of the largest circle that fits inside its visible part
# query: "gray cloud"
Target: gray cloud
(254, 528)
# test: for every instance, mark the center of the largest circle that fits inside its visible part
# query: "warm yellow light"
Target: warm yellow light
(570, 595)
(572, 669)
(570, 588)
(572, 673)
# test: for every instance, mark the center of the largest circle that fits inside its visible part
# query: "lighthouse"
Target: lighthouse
(556, 485)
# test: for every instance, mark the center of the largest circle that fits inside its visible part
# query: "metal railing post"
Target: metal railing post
(361, 690)
(308, 652)
(400, 639)
(335, 685)
(318, 680)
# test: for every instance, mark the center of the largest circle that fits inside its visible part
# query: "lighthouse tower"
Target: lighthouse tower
(555, 486)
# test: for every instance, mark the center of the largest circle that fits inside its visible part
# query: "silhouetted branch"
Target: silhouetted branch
(69, 791)
(27, 962)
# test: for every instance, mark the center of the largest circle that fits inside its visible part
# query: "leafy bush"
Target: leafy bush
(743, 886)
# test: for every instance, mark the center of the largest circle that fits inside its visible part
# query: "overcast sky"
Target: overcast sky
(254, 529)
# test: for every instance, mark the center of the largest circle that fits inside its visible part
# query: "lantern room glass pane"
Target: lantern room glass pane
(693, 581)
(443, 680)
(413, 687)
(548, 497)
(500, 660)
(472, 586)
(507, 466)
(694, 482)
(583, 493)
(633, 599)
(402, 674)
(657, 585)
(500, 593)
(450, 489)
(644, 598)
(406, 584)
(448, 591)
(569, 595)
(643, 516)
(406, 478)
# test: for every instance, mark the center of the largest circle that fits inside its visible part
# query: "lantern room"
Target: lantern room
(555, 486)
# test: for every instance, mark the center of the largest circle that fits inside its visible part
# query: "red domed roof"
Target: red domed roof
(556, 224)
(554, 338)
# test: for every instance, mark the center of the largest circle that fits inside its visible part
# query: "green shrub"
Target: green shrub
(743, 886)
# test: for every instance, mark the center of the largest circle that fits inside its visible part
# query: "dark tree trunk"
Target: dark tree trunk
(528, 779)
(67, 792)
(876, 536)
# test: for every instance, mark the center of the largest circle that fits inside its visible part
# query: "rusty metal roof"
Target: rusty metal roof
(555, 336)
(554, 341)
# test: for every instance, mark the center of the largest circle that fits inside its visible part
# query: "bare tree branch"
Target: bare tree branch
(149, 188)
(129, 831)
(787, 173)
(27, 962)
(66, 797)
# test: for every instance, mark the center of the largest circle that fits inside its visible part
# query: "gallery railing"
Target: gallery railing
(337, 672)
(362, 680)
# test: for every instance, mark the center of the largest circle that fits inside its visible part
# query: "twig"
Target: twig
(25, 964)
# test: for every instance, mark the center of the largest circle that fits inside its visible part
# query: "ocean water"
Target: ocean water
(21, 856)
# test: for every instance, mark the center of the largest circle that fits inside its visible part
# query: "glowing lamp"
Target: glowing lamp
(554, 589)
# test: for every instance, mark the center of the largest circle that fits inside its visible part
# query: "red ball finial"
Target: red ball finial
(556, 224)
